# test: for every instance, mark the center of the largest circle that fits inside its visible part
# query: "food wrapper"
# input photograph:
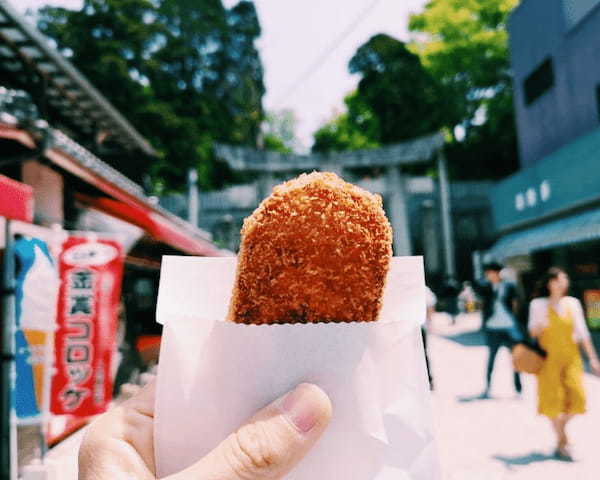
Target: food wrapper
(214, 375)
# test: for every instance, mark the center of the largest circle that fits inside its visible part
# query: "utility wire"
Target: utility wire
(321, 59)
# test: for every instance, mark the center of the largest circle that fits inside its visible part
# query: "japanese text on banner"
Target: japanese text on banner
(91, 272)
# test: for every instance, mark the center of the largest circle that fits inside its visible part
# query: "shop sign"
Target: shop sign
(36, 295)
(556, 183)
(16, 200)
(91, 270)
(592, 306)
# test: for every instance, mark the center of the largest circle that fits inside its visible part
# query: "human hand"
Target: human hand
(119, 444)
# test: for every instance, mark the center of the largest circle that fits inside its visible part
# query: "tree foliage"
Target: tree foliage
(356, 129)
(279, 131)
(455, 73)
(396, 99)
(185, 74)
(402, 95)
(464, 44)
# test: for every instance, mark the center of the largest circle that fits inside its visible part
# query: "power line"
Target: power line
(321, 59)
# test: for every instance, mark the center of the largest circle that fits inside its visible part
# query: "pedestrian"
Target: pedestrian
(119, 444)
(558, 322)
(450, 294)
(430, 302)
(467, 298)
(500, 304)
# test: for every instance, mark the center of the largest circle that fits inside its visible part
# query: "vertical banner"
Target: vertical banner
(591, 299)
(36, 296)
(91, 271)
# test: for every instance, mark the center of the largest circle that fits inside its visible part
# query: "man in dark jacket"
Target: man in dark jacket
(500, 304)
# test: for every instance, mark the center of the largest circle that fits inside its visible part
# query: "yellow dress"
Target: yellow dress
(560, 382)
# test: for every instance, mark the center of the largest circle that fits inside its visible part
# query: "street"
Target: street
(503, 437)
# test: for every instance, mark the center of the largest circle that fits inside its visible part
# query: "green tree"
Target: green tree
(396, 99)
(356, 129)
(464, 45)
(185, 74)
(279, 131)
(403, 96)
(110, 49)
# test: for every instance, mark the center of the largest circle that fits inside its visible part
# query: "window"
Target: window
(598, 100)
(539, 82)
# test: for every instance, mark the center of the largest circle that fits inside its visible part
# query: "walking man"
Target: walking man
(499, 307)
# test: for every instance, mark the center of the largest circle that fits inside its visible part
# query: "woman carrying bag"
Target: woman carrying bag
(557, 322)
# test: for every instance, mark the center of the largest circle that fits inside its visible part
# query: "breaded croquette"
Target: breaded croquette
(317, 249)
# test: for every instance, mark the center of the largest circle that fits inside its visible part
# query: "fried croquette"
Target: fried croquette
(317, 249)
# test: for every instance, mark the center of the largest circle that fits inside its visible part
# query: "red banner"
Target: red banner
(91, 270)
(16, 200)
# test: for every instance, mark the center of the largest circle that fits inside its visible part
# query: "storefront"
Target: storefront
(549, 215)
(90, 242)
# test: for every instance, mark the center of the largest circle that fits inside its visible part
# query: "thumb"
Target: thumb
(271, 443)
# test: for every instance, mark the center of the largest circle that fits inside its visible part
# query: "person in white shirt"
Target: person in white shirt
(558, 322)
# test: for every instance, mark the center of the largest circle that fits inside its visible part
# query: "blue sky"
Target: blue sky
(295, 35)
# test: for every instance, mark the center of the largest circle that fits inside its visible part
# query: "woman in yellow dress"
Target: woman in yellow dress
(558, 322)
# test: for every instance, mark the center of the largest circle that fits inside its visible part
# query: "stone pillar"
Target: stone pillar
(193, 197)
(431, 239)
(266, 181)
(477, 259)
(446, 212)
(397, 211)
(334, 167)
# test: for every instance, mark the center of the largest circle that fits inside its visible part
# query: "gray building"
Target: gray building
(548, 213)
(555, 55)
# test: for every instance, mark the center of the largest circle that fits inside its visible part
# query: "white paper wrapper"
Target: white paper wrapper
(214, 375)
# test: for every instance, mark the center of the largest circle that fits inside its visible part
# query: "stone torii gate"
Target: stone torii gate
(390, 159)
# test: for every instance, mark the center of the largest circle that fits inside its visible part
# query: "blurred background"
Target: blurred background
(133, 129)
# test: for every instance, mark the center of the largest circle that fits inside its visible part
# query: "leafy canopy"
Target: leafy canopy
(454, 73)
(279, 131)
(464, 44)
(184, 73)
(357, 129)
(396, 99)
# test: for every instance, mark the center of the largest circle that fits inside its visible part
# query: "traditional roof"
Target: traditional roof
(419, 150)
(24, 50)
(129, 201)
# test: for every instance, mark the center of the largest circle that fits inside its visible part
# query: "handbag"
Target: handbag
(528, 357)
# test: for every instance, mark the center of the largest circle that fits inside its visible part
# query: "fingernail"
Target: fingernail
(300, 409)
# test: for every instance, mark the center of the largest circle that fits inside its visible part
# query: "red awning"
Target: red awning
(157, 226)
(16, 200)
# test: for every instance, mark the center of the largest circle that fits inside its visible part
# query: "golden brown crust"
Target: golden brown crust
(317, 250)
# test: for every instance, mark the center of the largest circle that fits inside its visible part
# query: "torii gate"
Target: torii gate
(390, 158)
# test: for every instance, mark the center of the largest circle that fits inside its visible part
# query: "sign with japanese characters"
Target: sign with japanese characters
(544, 189)
(91, 270)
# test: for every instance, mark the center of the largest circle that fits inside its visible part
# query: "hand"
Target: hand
(595, 366)
(119, 444)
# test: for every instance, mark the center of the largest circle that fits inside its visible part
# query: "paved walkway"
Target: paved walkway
(501, 438)
(497, 439)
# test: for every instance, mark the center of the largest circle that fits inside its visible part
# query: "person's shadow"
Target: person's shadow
(475, 338)
(473, 398)
(524, 460)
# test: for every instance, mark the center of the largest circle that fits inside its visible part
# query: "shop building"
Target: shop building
(59, 138)
(549, 212)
